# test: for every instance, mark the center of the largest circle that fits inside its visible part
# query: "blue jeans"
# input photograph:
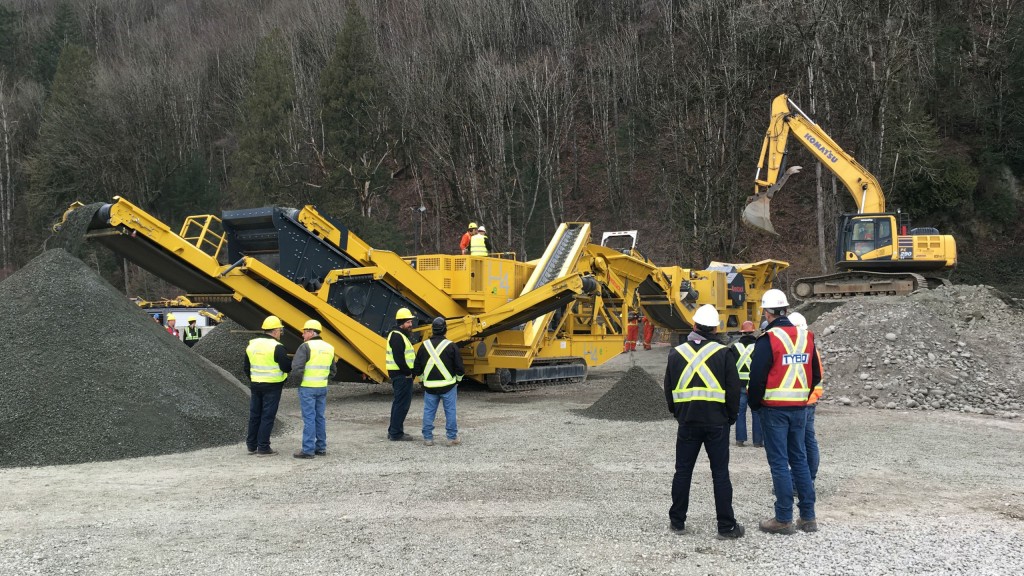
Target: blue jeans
(313, 402)
(402, 387)
(263, 402)
(715, 441)
(741, 422)
(430, 401)
(784, 445)
(811, 442)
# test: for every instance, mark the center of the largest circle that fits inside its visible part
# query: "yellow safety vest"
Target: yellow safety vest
(191, 333)
(262, 367)
(697, 364)
(318, 368)
(434, 361)
(793, 387)
(410, 354)
(743, 364)
(478, 245)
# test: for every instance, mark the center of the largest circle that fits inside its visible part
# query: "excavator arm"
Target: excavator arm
(787, 117)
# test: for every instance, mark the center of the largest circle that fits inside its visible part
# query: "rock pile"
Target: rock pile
(88, 376)
(943, 349)
(225, 346)
(636, 397)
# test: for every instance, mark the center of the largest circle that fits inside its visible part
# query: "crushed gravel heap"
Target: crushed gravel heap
(943, 349)
(225, 346)
(636, 397)
(88, 376)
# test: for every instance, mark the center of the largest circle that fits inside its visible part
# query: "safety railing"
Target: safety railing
(198, 231)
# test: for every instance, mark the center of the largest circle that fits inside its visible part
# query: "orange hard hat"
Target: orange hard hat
(747, 326)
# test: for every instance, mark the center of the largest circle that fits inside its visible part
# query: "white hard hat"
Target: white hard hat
(773, 299)
(481, 229)
(798, 320)
(706, 315)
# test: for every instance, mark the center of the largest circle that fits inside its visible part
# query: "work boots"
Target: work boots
(773, 526)
(807, 525)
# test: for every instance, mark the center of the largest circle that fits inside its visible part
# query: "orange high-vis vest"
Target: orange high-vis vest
(789, 379)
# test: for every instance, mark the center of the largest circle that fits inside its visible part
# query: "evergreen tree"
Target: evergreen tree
(64, 31)
(62, 167)
(261, 164)
(357, 137)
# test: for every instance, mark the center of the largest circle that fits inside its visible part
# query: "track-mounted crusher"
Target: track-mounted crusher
(518, 324)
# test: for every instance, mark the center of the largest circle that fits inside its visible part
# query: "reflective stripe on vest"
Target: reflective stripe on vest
(697, 364)
(743, 364)
(191, 333)
(318, 367)
(262, 367)
(478, 245)
(410, 354)
(434, 361)
(793, 387)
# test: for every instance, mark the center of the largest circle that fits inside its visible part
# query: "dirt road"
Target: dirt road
(536, 488)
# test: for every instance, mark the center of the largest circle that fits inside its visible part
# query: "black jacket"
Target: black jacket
(746, 340)
(450, 357)
(762, 362)
(703, 413)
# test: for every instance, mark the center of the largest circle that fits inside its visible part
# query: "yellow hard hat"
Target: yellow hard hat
(272, 323)
(171, 317)
(403, 314)
(192, 318)
(312, 325)
(472, 225)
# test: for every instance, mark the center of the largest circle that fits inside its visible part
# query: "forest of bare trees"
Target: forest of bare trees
(519, 114)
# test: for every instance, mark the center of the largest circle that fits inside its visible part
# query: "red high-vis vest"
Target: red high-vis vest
(789, 379)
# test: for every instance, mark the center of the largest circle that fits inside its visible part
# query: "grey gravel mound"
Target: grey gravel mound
(942, 349)
(636, 397)
(90, 377)
(225, 346)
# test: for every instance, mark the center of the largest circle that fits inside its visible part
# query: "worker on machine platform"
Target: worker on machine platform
(480, 244)
(464, 243)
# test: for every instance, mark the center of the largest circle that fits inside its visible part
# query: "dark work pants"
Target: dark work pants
(715, 441)
(263, 403)
(402, 386)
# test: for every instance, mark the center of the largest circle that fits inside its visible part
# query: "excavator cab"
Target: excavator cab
(867, 235)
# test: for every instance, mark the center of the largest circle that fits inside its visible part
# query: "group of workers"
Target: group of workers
(778, 375)
(192, 332)
(475, 241)
(438, 364)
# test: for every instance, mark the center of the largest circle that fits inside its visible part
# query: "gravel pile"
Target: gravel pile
(88, 376)
(636, 397)
(943, 349)
(225, 346)
(72, 231)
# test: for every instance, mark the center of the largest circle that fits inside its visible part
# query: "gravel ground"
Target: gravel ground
(535, 489)
(88, 376)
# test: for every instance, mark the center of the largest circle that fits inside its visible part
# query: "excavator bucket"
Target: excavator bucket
(758, 214)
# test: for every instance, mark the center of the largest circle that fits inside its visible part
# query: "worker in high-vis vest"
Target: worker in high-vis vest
(810, 438)
(192, 333)
(745, 349)
(400, 361)
(313, 366)
(268, 365)
(702, 388)
(439, 365)
(478, 244)
(783, 373)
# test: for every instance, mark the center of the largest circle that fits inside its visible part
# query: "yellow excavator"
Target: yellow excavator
(877, 251)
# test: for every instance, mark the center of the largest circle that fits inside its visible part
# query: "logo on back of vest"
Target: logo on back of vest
(789, 359)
